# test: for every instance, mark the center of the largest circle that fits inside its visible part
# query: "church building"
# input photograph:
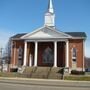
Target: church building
(48, 47)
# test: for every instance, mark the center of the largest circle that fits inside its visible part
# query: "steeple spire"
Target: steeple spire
(49, 15)
(50, 7)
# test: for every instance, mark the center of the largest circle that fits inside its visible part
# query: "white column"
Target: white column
(35, 56)
(30, 60)
(55, 54)
(67, 54)
(25, 53)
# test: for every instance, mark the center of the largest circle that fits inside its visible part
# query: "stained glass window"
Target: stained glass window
(48, 55)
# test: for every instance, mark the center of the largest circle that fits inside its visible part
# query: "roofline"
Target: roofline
(59, 32)
(32, 32)
(22, 37)
(84, 38)
(79, 37)
(16, 39)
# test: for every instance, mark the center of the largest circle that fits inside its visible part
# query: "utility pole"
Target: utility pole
(1, 50)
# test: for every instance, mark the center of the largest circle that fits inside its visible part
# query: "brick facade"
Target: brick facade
(77, 43)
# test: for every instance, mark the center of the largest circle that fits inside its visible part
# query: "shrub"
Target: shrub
(75, 72)
(13, 69)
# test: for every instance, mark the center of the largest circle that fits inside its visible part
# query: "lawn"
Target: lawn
(77, 78)
(8, 74)
(70, 77)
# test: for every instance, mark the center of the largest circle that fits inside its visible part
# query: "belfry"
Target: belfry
(49, 15)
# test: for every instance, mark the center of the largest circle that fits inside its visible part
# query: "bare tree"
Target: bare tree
(87, 62)
(7, 53)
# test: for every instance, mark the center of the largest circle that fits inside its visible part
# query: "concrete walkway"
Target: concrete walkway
(45, 82)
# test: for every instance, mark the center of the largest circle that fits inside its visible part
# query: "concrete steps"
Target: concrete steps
(55, 73)
(29, 71)
(43, 72)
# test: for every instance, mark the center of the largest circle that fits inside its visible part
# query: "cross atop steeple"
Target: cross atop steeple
(50, 7)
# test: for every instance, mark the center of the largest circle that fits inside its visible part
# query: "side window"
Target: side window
(20, 52)
(74, 54)
(20, 56)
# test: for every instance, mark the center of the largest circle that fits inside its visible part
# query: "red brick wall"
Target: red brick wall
(78, 44)
(30, 50)
(15, 47)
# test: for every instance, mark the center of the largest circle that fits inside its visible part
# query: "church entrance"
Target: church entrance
(46, 54)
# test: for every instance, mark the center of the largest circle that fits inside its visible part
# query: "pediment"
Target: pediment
(45, 32)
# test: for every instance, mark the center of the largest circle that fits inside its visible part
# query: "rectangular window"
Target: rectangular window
(74, 54)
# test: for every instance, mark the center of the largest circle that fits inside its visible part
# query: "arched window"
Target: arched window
(48, 55)
(74, 54)
(20, 52)
(20, 56)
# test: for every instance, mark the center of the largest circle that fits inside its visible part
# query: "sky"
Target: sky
(24, 16)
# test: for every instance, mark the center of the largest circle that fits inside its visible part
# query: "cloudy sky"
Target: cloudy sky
(23, 16)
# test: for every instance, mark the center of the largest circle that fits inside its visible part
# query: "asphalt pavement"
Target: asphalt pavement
(42, 84)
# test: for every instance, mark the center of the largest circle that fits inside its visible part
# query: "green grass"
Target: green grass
(71, 77)
(8, 74)
(77, 78)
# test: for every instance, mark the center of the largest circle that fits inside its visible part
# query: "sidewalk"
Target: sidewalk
(45, 82)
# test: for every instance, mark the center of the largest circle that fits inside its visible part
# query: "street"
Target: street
(7, 86)
(35, 86)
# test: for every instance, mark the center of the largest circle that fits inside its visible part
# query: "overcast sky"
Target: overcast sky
(23, 16)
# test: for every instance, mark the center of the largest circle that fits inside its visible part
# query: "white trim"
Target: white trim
(60, 32)
(39, 29)
(47, 40)
(55, 54)
(31, 32)
(36, 53)
(25, 53)
(78, 38)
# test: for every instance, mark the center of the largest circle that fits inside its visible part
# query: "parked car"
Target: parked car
(87, 69)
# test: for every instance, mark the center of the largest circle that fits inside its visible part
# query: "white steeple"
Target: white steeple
(50, 7)
(49, 15)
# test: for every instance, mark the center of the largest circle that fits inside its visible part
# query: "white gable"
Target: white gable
(45, 32)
